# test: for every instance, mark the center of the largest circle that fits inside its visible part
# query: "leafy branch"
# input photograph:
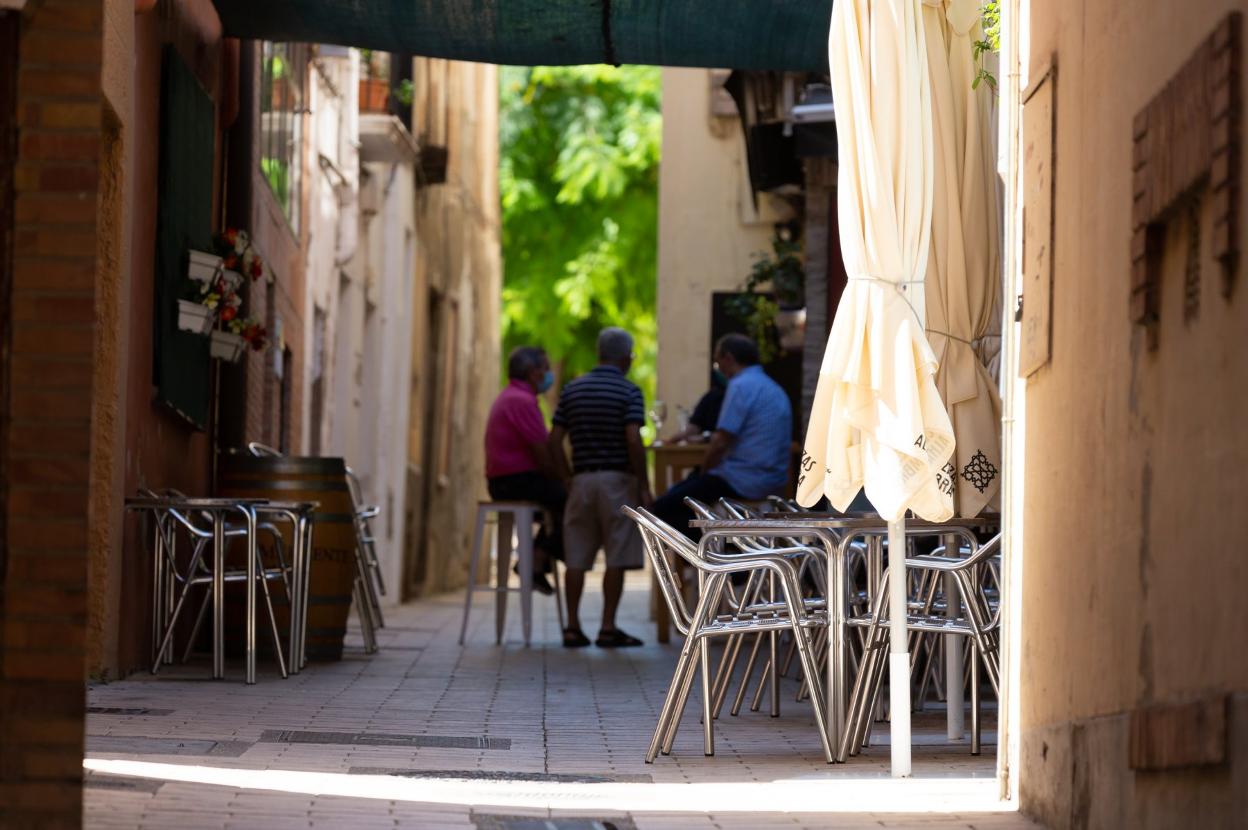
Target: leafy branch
(989, 43)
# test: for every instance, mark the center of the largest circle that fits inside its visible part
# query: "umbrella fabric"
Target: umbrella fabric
(963, 279)
(877, 420)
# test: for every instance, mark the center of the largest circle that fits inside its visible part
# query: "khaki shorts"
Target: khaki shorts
(592, 520)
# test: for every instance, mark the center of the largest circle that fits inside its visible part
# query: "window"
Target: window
(283, 67)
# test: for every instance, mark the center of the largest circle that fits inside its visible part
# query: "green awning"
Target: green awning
(732, 34)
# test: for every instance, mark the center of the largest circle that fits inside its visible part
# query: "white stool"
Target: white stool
(508, 516)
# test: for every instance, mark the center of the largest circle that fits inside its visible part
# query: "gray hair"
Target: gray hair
(614, 345)
(741, 348)
(523, 360)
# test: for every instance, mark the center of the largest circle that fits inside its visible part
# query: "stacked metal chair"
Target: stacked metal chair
(720, 613)
(175, 576)
(369, 585)
(976, 573)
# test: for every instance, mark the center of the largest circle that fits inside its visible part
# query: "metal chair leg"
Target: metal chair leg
(708, 724)
(749, 672)
(976, 721)
(524, 564)
(503, 547)
(478, 538)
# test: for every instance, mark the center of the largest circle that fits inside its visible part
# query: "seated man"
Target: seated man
(518, 464)
(706, 412)
(748, 457)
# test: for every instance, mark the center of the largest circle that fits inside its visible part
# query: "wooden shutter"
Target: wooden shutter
(184, 222)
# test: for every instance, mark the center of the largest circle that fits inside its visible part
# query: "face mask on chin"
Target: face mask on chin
(547, 381)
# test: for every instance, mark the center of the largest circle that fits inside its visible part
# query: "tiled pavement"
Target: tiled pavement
(427, 734)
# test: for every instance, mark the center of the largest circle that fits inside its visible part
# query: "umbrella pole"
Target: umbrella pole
(899, 655)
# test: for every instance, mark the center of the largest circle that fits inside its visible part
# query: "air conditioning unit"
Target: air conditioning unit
(815, 105)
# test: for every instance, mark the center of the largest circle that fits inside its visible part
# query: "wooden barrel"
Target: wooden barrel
(333, 569)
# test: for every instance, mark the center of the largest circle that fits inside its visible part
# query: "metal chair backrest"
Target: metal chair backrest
(783, 505)
(658, 538)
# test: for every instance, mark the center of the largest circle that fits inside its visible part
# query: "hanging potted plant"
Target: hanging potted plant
(212, 295)
(197, 308)
(227, 342)
(776, 321)
(239, 258)
(203, 267)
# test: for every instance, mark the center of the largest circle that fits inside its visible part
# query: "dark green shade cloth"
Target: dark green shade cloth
(730, 34)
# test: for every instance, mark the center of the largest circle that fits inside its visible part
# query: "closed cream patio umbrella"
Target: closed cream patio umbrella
(963, 281)
(877, 421)
(963, 276)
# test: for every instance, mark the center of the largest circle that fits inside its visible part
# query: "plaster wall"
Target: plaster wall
(332, 202)
(160, 449)
(709, 230)
(1133, 570)
(453, 373)
(386, 328)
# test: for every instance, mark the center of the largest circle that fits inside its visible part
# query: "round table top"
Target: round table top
(190, 503)
(774, 521)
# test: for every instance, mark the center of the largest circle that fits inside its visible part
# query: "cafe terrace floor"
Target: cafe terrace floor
(426, 734)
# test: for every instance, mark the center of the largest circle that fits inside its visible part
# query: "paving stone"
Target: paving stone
(428, 734)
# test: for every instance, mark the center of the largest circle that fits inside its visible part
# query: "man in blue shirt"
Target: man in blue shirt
(748, 457)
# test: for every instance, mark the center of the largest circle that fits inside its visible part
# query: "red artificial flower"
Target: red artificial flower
(230, 236)
(256, 336)
(228, 313)
(257, 268)
(231, 262)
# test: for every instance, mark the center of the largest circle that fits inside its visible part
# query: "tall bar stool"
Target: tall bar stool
(513, 520)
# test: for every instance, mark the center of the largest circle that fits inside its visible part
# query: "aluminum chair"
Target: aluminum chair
(373, 582)
(812, 577)
(981, 626)
(196, 572)
(369, 584)
(800, 555)
(707, 621)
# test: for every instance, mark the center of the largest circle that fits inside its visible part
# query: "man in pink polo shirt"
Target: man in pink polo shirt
(518, 463)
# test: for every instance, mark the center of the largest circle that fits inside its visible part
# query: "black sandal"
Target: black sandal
(574, 638)
(615, 638)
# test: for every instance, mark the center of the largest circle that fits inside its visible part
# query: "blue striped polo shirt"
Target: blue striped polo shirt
(594, 409)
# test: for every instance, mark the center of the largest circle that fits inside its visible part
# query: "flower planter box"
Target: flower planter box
(227, 346)
(194, 317)
(374, 95)
(203, 267)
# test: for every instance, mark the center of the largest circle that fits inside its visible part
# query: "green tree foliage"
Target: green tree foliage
(578, 180)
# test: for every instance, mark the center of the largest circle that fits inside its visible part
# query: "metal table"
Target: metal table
(218, 509)
(823, 527)
(299, 514)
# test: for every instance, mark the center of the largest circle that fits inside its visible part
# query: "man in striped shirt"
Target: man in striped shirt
(602, 412)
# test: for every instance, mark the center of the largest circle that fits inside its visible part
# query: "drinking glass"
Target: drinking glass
(658, 414)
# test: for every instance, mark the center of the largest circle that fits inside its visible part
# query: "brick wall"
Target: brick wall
(48, 444)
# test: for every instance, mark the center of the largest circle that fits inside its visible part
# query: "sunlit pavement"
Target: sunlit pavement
(428, 734)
